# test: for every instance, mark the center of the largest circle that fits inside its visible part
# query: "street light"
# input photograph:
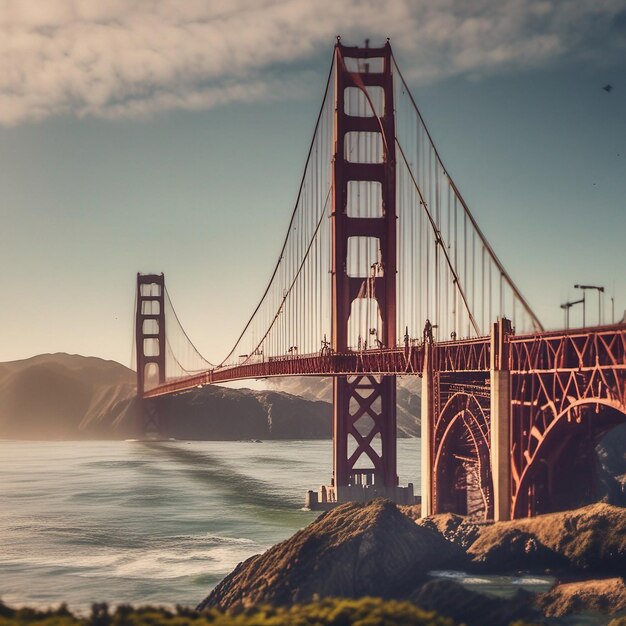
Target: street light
(568, 305)
(600, 291)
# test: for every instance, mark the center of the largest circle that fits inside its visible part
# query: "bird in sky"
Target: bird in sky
(608, 88)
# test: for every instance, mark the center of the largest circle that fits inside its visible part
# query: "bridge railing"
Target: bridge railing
(574, 349)
(394, 361)
(465, 355)
(451, 356)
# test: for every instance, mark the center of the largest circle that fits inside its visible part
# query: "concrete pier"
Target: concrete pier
(500, 418)
(327, 497)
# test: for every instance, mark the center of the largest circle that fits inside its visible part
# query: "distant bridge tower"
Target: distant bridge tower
(150, 346)
(364, 407)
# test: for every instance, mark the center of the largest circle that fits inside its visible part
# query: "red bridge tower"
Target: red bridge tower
(364, 407)
(150, 347)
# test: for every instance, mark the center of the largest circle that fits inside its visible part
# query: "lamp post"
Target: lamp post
(600, 291)
(568, 305)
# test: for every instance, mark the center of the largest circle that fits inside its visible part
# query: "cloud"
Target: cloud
(124, 58)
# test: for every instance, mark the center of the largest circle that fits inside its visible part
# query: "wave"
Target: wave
(532, 580)
(170, 564)
(62, 560)
(172, 558)
(498, 580)
(447, 574)
(146, 521)
(476, 580)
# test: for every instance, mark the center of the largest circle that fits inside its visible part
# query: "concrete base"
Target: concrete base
(500, 444)
(327, 497)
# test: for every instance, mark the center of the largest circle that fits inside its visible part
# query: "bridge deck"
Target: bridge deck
(555, 349)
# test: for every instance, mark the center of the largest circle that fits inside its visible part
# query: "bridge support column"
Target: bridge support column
(150, 347)
(427, 426)
(500, 420)
(357, 400)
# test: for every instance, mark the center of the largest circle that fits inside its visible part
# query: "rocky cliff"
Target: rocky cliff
(376, 549)
(607, 595)
(351, 551)
(590, 539)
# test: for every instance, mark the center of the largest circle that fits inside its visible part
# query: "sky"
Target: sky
(160, 136)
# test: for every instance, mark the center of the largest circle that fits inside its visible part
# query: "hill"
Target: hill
(63, 396)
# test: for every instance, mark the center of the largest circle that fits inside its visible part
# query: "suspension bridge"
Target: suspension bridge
(384, 272)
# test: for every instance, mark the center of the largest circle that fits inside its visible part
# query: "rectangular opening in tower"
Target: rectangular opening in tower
(364, 199)
(363, 147)
(363, 257)
(365, 322)
(150, 307)
(150, 327)
(151, 375)
(151, 347)
(356, 103)
(149, 289)
(375, 65)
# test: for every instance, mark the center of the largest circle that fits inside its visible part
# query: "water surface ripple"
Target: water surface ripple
(149, 522)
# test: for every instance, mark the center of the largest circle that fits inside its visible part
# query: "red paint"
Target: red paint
(150, 301)
(365, 401)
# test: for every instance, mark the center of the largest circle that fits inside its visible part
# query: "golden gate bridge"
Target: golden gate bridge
(383, 272)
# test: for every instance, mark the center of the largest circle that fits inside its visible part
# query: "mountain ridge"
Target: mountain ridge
(69, 396)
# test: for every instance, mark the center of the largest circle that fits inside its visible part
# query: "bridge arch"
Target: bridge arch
(559, 472)
(461, 469)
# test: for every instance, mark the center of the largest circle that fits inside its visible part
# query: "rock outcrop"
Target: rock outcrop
(456, 529)
(590, 539)
(378, 549)
(354, 550)
(511, 549)
(600, 596)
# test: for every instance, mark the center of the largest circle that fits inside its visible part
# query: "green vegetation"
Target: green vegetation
(330, 612)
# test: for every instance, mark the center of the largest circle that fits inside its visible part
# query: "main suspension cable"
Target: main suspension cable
(535, 320)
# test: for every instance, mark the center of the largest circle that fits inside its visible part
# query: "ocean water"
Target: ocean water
(143, 522)
(161, 522)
